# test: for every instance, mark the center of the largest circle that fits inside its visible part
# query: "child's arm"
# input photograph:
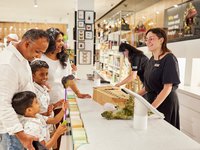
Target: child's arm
(43, 143)
(49, 111)
(59, 116)
(59, 103)
(59, 131)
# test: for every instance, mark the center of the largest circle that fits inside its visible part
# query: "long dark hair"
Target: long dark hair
(160, 33)
(132, 51)
(62, 56)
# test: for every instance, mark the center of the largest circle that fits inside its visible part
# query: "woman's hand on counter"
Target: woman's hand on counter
(80, 95)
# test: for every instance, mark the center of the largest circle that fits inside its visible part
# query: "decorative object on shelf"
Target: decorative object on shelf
(114, 29)
(81, 45)
(140, 30)
(81, 15)
(81, 35)
(89, 17)
(88, 27)
(88, 35)
(85, 57)
(81, 24)
(140, 27)
(124, 25)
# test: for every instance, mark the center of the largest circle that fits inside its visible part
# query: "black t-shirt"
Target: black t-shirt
(138, 63)
(160, 72)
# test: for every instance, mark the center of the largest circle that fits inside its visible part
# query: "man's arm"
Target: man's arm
(8, 87)
(8, 117)
(26, 140)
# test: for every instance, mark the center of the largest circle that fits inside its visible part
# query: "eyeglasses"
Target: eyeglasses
(150, 39)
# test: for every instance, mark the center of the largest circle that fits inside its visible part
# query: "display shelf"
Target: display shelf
(104, 76)
(78, 133)
(111, 61)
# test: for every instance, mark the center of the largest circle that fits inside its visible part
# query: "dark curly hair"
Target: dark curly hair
(132, 51)
(53, 34)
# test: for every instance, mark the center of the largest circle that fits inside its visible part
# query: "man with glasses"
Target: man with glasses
(16, 76)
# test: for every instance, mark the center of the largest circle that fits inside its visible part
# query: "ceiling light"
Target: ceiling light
(35, 3)
(175, 5)
(157, 12)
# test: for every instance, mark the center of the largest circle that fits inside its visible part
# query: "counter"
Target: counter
(119, 134)
(191, 91)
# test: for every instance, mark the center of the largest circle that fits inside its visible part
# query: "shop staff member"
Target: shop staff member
(161, 77)
(138, 62)
(16, 76)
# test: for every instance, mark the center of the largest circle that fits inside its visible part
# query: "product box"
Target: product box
(110, 94)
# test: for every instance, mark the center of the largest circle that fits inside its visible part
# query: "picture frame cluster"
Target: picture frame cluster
(85, 20)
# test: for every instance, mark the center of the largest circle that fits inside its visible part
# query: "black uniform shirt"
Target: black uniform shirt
(138, 63)
(160, 72)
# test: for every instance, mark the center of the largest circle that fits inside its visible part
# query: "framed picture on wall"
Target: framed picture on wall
(81, 24)
(81, 45)
(88, 35)
(88, 27)
(89, 17)
(85, 57)
(81, 15)
(81, 35)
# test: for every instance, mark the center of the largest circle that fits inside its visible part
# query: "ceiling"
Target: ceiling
(60, 11)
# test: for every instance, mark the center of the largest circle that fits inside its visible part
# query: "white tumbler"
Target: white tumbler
(140, 115)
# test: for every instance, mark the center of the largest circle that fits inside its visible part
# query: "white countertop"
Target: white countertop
(119, 134)
(190, 90)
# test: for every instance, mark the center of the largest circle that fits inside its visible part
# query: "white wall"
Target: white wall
(188, 50)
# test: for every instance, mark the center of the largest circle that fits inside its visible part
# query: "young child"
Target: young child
(40, 76)
(26, 104)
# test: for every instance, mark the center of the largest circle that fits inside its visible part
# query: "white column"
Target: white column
(84, 59)
(70, 27)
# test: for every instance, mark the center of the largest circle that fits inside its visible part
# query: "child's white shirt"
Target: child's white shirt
(56, 73)
(43, 97)
(36, 127)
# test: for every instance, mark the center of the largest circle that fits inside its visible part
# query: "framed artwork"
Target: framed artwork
(81, 35)
(81, 45)
(88, 27)
(81, 15)
(88, 35)
(89, 17)
(85, 57)
(81, 24)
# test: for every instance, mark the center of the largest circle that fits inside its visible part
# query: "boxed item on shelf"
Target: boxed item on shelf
(76, 122)
(110, 94)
